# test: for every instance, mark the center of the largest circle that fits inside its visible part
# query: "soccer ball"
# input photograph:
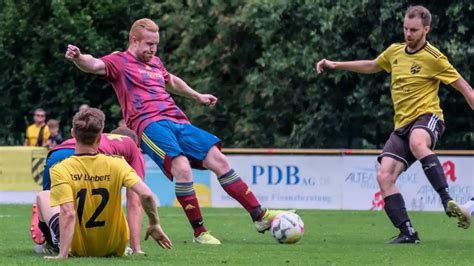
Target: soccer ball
(287, 228)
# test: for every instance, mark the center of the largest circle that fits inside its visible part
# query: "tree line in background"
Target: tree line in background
(256, 56)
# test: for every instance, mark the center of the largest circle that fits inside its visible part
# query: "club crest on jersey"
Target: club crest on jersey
(415, 68)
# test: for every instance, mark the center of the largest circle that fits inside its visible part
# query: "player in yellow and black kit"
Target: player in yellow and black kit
(416, 68)
(87, 187)
(96, 192)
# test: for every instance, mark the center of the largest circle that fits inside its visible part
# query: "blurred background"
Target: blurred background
(257, 57)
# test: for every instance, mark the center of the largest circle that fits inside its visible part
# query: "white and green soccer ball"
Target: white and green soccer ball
(287, 228)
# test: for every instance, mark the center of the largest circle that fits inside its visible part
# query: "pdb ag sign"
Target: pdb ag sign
(281, 181)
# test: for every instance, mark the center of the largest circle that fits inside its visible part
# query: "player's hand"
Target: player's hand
(72, 52)
(324, 63)
(207, 99)
(155, 231)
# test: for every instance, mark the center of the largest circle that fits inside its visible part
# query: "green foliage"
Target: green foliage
(35, 74)
(256, 56)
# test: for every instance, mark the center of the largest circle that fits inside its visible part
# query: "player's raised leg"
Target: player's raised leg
(231, 182)
(387, 175)
(420, 145)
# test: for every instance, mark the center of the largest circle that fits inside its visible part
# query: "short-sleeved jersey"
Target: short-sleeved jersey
(141, 90)
(32, 134)
(113, 144)
(415, 79)
(94, 182)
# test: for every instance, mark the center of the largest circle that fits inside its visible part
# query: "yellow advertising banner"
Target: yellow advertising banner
(21, 168)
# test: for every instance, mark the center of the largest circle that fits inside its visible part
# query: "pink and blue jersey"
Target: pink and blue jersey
(140, 89)
(113, 144)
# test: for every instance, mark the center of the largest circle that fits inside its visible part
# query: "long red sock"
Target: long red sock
(237, 189)
(188, 200)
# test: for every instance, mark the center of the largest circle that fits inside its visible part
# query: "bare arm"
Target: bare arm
(67, 220)
(465, 89)
(149, 205)
(360, 66)
(178, 86)
(84, 62)
(134, 218)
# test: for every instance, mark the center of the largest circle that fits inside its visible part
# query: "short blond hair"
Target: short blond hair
(419, 12)
(139, 26)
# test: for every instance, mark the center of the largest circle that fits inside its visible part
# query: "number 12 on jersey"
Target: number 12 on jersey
(81, 195)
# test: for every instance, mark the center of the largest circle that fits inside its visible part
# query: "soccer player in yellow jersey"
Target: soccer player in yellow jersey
(416, 68)
(87, 188)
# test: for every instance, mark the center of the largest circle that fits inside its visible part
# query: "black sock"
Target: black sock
(45, 229)
(435, 174)
(396, 211)
(407, 228)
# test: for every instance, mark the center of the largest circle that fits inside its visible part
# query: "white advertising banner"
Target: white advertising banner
(459, 172)
(347, 182)
(359, 185)
(339, 182)
(361, 192)
(281, 181)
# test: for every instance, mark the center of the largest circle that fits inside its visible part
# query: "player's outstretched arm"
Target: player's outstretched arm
(149, 205)
(84, 62)
(359, 66)
(465, 89)
(178, 86)
(67, 220)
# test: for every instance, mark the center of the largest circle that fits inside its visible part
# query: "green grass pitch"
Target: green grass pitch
(331, 238)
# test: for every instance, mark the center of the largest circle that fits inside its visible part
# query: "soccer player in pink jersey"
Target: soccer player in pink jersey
(121, 141)
(141, 83)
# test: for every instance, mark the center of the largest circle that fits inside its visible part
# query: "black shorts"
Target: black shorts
(398, 145)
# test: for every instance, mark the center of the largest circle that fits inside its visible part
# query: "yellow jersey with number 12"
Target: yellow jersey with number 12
(415, 80)
(94, 182)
